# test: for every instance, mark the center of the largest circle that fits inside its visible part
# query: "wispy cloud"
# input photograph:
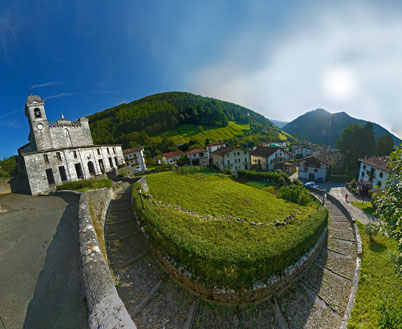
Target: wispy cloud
(10, 113)
(46, 84)
(60, 95)
(106, 92)
(11, 24)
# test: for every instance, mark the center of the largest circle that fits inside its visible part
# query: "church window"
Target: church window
(37, 113)
(58, 156)
(98, 151)
(108, 152)
(117, 162)
(46, 158)
(75, 154)
(111, 162)
(114, 150)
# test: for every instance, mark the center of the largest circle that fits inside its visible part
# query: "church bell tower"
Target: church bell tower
(39, 134)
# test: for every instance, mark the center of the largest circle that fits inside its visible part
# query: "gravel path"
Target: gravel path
(317, 300)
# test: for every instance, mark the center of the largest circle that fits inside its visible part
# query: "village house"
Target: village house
(314, 167)
(231, 157)
(374, 170)
(171, 157)
(62, 151)
(288, 167)
(135, 158)
(212, 147)
(198, 157)
(301, 151)
(268, 158)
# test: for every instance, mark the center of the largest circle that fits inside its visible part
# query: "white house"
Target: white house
(171, 157)
(231, 157)
(314, 167)
(374, 170)
(301, 151)
(135, 158)
(268, 158)
(198, 157)
(212, 147)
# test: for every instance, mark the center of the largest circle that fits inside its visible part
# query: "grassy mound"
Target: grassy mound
(239, 243)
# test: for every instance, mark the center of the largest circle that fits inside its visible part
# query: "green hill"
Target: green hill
(322, 127)
(161, 121)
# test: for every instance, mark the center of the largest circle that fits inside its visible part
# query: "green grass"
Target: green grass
(378, 281)
(86, 184)
(185, 133)
(217, 195)
(222, 252)
(367, 207)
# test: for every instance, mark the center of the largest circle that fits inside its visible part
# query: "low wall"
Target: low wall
(274, 284)
(5, 187)
(105, 308)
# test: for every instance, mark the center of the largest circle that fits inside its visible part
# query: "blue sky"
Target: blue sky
(279, 58)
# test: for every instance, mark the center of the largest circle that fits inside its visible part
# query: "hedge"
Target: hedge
(279, 178)
(267, 250)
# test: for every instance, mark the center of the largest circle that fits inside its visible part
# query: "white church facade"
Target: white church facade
(62, 151)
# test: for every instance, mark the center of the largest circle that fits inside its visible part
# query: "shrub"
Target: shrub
(391, 316)
(353, 183)
(298, 182)
(280, 178)
(86, 184)
(295, 193)
(371, 230)
(228, 172)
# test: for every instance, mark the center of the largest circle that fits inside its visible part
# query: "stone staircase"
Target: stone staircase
(317, 300)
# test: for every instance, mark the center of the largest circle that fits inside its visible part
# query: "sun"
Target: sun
(339, 84)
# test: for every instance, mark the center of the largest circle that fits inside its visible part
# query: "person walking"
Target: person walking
(346, 197)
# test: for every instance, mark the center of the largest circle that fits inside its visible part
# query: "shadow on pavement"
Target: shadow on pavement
(58, 301)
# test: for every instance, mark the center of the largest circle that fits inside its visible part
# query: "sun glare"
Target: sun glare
(339, 84)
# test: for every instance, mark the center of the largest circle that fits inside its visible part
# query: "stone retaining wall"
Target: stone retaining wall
(105, 308)
(5, 187)
(231, 298)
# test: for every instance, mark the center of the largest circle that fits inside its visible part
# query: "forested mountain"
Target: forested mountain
(322, 127)
(141, 120)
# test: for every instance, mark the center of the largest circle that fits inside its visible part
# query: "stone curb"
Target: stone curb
(355, 283)
(105, 308)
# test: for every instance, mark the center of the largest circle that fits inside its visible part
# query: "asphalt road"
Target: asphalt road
(40, 267)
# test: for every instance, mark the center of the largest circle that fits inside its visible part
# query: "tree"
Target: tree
(356, 142)
(363, 187)
(388, 203)
(384, 145)
(371, 230)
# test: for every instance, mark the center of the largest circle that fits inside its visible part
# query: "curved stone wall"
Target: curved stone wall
(105, 308)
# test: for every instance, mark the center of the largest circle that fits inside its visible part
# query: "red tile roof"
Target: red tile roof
(322, 157)
(380, 162)
(173, 154)
(227, 149)
(133, 150)
(216, 144)
(196, 151)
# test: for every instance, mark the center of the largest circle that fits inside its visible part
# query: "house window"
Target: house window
(98, 151)
(46, 158)
(75, 154)
(62, 172)
(378, 184)
(37, 113)
(362, 173)
(228, 163)
(315, 170)
(58, 156)
(381, 174)
(364, 166)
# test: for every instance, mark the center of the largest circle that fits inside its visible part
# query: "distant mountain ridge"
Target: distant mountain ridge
(322, 127)
(279, 124)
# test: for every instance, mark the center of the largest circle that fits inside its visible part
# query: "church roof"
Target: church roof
(34, 99)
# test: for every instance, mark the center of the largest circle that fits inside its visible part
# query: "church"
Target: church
(61, 151)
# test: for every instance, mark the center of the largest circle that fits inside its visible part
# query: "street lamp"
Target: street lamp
(140, 194)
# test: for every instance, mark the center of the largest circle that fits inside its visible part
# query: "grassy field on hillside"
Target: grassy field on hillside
(226, 252)
(185, 133)
(217, 195)
(367, 207)
(380, 289)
